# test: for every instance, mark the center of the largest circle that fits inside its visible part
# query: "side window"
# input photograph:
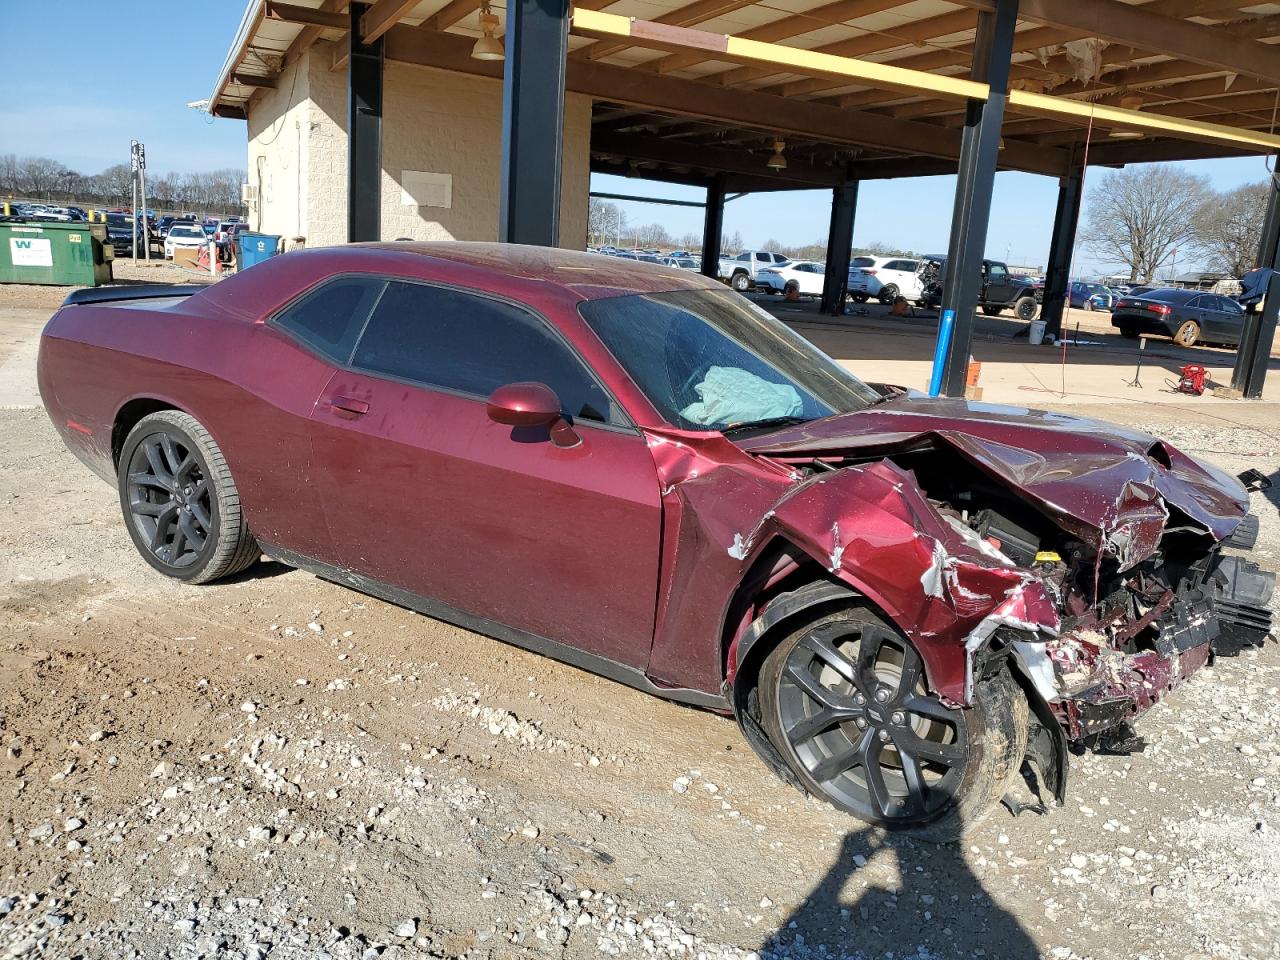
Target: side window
(1199, 303)
(1227, 305)
(744, 256)
(997, 272)
(473, 344)
(330, 317)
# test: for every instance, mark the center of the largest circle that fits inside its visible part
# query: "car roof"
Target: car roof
(1171, 293)
(585, 274)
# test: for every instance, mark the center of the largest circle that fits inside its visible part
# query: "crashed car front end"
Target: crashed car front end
(1106, 565)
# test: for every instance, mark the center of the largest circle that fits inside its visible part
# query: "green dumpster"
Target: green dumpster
(69, 254)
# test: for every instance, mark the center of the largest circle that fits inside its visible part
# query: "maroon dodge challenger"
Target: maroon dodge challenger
(640, 473)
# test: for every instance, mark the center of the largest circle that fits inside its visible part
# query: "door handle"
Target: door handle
(348, 408)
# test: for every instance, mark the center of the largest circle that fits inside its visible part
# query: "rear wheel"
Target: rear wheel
(992, 311)
(859, 297)
(844, 701)
(1128, 331)
(1187, 334)
(180, 504)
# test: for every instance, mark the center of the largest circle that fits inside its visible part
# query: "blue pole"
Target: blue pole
(940, 351)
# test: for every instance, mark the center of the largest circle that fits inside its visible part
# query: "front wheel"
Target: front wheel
(180, 505)
(740, 282)
(992, 311)
(845, 703)
(859, 297)
(888, 293)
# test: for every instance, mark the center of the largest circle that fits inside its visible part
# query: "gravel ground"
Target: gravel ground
(278, 767)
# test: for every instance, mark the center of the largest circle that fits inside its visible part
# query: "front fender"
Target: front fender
(872, 528)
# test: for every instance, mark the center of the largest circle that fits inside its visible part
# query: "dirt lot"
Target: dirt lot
(278, 767)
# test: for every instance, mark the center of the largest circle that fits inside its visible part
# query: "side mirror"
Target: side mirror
(532, 404)
(524, 405)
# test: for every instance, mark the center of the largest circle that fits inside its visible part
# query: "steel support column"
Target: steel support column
(979, 152)
(713, 228)
(364, 134)
(1063, 241)
(537, 43)
(1259, 328)
(835, 281)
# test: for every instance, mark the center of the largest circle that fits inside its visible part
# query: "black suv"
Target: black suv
(1000, 289)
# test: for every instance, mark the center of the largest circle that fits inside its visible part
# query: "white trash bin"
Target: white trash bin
(1036, 332)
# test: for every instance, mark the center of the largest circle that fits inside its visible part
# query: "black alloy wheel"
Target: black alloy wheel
(845, 702)
(180, 503)
(170, 502)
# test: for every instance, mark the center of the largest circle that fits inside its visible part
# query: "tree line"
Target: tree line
(42, 178)
(1152, 217)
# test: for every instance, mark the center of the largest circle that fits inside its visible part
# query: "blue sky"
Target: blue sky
(56, 99)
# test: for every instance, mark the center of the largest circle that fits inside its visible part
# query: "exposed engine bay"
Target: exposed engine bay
(1130, 629)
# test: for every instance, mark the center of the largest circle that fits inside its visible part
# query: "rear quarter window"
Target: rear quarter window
(330, 317)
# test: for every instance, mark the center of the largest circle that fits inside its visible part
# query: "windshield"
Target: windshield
(709, 359)
(117, 220)
(178, 231)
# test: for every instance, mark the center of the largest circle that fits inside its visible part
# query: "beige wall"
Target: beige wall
(434, 123)
(278, 157)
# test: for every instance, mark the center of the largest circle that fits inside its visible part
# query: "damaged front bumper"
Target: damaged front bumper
(1098, 681)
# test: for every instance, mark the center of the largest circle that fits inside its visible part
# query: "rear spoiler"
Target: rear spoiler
(132, 292)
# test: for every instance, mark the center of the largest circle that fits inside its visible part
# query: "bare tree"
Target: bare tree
(115, 184)
(1138, 216)
(605, 221)
(9, 179)
(39, 176)
(1229, 227)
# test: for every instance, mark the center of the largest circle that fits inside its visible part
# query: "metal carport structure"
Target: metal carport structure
(703, 92)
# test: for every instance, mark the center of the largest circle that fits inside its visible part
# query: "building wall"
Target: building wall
(441, 135)
(279, 154)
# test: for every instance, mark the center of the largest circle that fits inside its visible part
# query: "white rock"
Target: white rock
(248, 706)
(72, 823)
(315, 627)
(408, 928)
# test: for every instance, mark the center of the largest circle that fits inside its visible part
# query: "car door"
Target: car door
(426, 493)
(1223, 319)
(1197, 309)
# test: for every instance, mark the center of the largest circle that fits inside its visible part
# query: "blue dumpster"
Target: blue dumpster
(256, 247)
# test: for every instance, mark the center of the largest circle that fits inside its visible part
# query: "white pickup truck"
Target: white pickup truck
(740, 271)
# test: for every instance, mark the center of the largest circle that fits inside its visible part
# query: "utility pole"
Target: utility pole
(133, 171)
(142, 186)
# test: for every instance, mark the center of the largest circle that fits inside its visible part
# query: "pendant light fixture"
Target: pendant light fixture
(488, 47)
(776, 160)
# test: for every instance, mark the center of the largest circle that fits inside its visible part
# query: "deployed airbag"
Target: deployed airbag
(732, 395)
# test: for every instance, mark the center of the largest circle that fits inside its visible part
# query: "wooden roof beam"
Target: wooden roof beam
(382, 16)
(734, 108)
(1156, 32)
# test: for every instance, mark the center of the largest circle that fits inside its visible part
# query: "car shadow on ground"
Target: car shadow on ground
(936, 907)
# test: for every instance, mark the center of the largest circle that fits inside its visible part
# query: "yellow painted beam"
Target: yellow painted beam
(1039, 104)
(792, 59)
(886, 76)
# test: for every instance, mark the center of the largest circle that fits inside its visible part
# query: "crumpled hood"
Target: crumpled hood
(1109, 485)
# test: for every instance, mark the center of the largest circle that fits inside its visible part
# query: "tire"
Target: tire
(1025, 309)
(859, 297)
(877, 714)
(1187, 334)
(993, 311)
(740, 282)
(1128, 331)
(888, 293)
(194, 532)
